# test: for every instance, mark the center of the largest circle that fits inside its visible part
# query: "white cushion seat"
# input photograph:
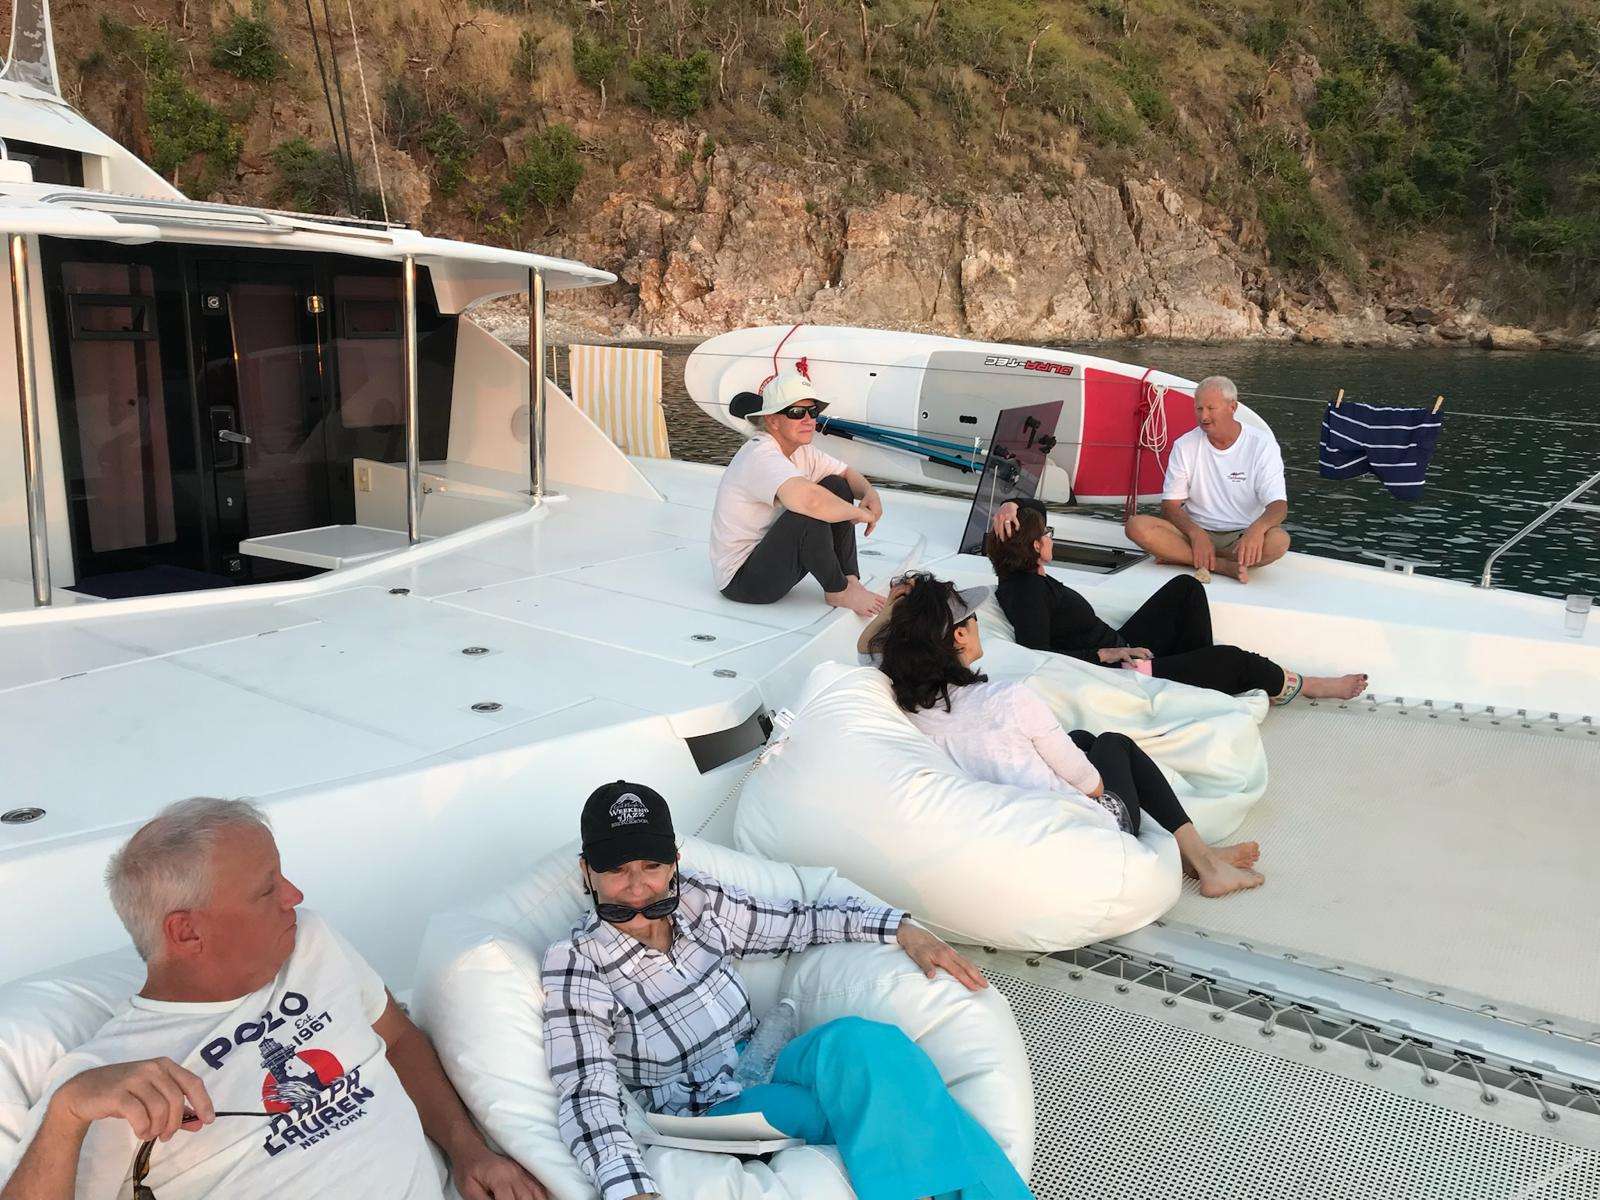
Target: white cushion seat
(480, 999)
(856, 786)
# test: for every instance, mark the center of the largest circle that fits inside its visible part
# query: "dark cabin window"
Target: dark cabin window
(50, 164)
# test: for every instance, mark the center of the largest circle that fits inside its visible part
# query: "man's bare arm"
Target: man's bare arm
(150, 1095)
(813, 500)
(478, 1171)
(1275, 514)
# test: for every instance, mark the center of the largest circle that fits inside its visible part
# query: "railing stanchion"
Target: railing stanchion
(27, 388)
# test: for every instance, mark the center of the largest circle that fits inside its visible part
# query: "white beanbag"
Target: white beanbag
(479, 997)
(856, 786)
(44, 1018)
(1207, 744)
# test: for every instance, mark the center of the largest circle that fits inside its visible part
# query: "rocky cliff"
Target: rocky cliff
(739, 242)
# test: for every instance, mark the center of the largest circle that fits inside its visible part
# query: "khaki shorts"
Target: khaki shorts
(1224, 539)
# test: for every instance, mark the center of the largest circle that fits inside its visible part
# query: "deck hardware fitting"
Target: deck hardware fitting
(474, 651)
(725, 673)
(399, 591)
(21, 816)
(702, 637)
(487, 706)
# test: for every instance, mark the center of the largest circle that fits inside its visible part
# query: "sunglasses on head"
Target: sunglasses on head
(621, 914)
(799, 412)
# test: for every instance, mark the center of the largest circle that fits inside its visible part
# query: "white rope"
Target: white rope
(1153, 433)
(366, 103)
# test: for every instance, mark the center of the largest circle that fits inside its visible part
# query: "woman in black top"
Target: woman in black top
(1171, 632)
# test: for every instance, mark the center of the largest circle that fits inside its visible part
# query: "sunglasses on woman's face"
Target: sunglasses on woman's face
(799, 412)
(621, 914)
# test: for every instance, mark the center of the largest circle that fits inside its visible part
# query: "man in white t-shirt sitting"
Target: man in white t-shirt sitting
(263, 1059)
(1224, 502)
(785, 509)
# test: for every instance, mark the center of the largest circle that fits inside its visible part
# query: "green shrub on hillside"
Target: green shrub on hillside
(1301, 234)
(548, 174)
(448, 144)
(795, 68)
(184, 126)
(670, 86)
(593, 61)
(248, 47)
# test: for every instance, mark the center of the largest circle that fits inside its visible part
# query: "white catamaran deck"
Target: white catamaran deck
(1447, 850)
(601, 615)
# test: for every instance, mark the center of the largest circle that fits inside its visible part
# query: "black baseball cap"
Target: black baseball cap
(624, 822)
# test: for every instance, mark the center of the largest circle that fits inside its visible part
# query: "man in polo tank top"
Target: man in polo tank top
(1224, 502)
(263, 1059)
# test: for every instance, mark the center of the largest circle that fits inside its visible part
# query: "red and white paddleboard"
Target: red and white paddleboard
(952, 390)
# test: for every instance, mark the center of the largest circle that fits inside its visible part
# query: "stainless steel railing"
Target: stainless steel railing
(1564, 502)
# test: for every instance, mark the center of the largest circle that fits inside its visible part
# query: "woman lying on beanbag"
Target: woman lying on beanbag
(1005, 733)
(1169, 637)
(644, 994)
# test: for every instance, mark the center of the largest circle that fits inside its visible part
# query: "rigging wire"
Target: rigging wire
(344, 116)
(327, 96)
(366, 103)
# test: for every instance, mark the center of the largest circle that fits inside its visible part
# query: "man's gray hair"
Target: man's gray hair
(165, 867)
(1218, 383)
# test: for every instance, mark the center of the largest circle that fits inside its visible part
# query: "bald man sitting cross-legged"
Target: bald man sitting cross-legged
(1224, 502)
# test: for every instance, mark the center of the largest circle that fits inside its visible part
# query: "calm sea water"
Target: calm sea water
(1502, 454)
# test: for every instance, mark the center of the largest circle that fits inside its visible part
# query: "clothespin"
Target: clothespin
(1339, 399)
(1437, 405)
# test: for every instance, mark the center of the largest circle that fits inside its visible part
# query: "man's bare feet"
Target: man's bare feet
(857, 597)
(1243, 855)
(1334, 687)
(1231, 568)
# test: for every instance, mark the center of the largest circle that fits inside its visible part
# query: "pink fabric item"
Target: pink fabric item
(1141, 665)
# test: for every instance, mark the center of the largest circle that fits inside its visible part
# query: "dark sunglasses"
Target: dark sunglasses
(621, 914)
(141, 1160)
(799, 412)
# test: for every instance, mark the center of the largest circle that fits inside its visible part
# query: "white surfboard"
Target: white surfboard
(918, 408)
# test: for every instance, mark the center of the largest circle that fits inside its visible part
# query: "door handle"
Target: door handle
(230, 435)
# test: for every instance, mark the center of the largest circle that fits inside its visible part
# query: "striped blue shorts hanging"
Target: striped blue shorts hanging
(1395, 444)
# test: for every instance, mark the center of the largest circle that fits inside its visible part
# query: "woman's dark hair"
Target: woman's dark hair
(1017, 554)
(915, 648)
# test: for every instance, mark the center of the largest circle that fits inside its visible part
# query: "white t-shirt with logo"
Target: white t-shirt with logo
(1227, 489)
(747, 498)
(302, 1052)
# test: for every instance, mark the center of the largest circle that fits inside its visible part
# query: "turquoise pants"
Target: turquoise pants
(868, 1089)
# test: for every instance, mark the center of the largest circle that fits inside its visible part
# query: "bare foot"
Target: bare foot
(1218, 877)
(858, 598)
(1231, 568)
(1334, 687)
(1241, 854)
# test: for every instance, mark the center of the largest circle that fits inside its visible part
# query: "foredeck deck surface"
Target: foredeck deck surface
(1460, 854)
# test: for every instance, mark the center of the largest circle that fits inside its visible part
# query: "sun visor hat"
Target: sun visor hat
(781, 392)
(966, 601)
(624, 822)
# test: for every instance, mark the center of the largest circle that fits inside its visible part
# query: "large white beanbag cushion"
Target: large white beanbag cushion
(856, 786)
(43, 1018)
(479, 997)
(1206, 743)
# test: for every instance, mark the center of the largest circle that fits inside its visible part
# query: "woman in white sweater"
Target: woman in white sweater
(1005, 733)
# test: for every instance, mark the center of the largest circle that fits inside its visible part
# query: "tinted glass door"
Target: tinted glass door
(134, 492)
(263, 404)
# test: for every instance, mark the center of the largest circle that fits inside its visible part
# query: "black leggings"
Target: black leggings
(1175, 626)
(1133, 778)
(794, 547)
